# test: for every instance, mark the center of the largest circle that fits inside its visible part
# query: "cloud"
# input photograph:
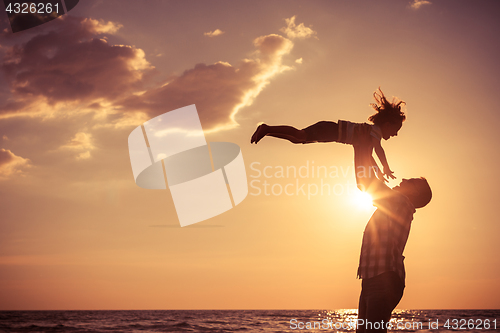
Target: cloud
(69, 68)
(77, 95)
(416, 4)
(100, 27)
(81, 141)
(11, 164)
(83, 156)
(70, 63)
(215, 33)
(219, 90)
(294, 31)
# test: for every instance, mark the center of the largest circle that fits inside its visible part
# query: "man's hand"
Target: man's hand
(389, 173)
(380, 175)
(364, 163)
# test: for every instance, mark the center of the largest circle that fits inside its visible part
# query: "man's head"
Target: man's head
(417, 190)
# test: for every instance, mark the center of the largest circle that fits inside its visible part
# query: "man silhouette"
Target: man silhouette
(381, 265)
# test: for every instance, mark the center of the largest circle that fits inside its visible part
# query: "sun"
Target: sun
(362, 200)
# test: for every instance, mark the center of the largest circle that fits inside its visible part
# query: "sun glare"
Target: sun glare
(362, 200)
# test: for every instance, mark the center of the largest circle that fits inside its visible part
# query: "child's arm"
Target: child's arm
(381, 156)
(378, 172)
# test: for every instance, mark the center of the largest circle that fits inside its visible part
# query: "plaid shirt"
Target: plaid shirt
(385, 236)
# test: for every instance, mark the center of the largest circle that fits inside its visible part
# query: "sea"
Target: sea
(145, 321)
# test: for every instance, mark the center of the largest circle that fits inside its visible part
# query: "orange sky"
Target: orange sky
(76, 232)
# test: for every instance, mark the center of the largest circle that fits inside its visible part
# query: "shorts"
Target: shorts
(323, 131)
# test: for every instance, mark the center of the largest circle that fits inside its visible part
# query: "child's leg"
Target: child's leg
(322, 131)
(286, 132)
(283, 132)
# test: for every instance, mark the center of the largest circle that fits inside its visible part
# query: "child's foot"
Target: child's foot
(259, 133)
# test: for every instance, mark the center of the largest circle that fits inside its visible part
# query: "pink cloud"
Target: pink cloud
(292, 30)
(215, 33)
(11, 164)
(219, 90)
(77, 95)
(70, 63)
(81, 143)
(416, 4)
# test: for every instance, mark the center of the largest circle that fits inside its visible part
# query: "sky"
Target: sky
(76, 232)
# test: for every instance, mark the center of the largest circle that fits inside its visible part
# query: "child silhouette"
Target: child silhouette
(386, 122)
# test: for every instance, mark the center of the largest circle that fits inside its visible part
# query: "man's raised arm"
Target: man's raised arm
(363, 163)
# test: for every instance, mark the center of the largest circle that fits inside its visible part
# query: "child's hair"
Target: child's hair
(387, 112)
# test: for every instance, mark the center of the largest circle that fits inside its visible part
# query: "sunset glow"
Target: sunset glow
(76, 232)
(362, 200)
